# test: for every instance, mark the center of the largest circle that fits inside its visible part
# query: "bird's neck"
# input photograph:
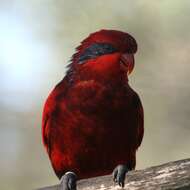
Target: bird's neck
(105, 69)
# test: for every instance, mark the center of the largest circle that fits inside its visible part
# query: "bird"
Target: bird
(93, 121)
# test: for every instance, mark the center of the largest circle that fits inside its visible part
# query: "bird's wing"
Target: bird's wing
(45, 130)
(46, 118)
(140, 119)
(48, 112)
(141, 124)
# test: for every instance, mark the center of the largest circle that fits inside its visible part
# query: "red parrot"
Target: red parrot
(93, 120)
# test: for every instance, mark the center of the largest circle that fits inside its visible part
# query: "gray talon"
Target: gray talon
(68, 181)
(119, 174)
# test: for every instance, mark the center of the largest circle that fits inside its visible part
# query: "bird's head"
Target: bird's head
(106, 49)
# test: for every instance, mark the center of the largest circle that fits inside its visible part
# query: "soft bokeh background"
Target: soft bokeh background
(37, 38)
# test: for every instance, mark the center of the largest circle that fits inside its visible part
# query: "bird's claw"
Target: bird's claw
(68, 181)
(119, 175)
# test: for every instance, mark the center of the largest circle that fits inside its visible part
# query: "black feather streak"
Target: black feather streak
(95, 50)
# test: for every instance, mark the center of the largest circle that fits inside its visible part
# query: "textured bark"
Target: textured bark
(169, 176)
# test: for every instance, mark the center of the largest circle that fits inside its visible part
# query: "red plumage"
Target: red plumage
(93, 119)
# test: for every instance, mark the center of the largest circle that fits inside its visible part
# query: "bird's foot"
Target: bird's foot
(119, 174)
(68, 181)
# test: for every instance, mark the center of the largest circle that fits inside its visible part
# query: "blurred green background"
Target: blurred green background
(38, 37)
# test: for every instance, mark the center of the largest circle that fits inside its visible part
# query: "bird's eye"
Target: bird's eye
(95, 50)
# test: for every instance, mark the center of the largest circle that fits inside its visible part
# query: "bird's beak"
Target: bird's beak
(127, 62)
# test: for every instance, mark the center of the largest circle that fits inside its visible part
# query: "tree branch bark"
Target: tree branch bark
(169, 176)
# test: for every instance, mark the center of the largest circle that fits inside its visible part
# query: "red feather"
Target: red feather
(93, 122)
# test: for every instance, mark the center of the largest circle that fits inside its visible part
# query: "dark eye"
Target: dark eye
(95, 50)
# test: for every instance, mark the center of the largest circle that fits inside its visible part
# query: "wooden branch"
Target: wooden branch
(169, 176)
